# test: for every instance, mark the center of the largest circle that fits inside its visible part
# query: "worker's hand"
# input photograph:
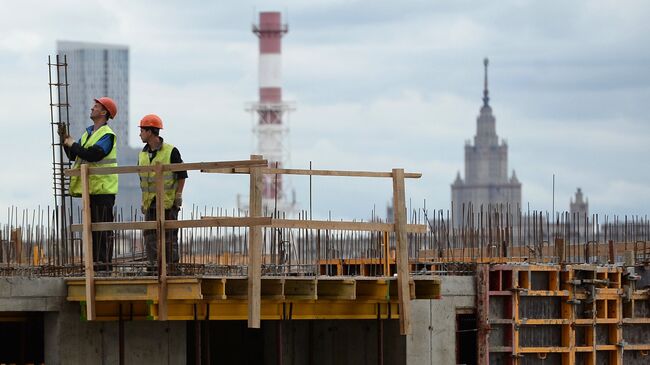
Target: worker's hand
(62, 131)
(178, 201)
(68, 141)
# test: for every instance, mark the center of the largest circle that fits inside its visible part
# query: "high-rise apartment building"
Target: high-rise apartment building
(486, 180)
(96, 70)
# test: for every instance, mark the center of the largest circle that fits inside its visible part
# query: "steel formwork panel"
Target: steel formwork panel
(564, 314)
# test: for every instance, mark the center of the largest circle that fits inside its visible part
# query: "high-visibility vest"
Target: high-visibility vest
(148, 179)
(99, 184)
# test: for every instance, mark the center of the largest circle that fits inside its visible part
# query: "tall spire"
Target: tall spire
(486, 93)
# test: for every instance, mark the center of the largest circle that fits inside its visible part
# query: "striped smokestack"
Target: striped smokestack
(269, 128)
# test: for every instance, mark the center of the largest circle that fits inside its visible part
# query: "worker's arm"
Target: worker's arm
(179, 187)
(93, 153)
(180, 177)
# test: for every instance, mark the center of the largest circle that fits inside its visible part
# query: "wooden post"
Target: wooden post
(482, 309)
(612, 252)
(88, 245)
(386, 253)
(17, 238)
(255, 247)
(559, 250)
(399, 214)
(162, 250)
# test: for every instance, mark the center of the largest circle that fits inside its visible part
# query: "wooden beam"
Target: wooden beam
(300, 289)
(162, 250)
(220, 222)
(204, 222)
(336, 289)
(115, 226)
(88, 245)
(255, 247)
(399, 212)
(212, 165)
(344, 226)
(342, 173)
(169, 167)
(17, 239)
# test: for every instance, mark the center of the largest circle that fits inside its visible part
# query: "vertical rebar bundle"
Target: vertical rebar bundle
(59, 116)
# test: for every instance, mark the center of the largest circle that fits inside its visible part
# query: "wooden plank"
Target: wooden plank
(162, 251)
(342, 173)
(220, 222)
(300, 289)
(213, 165)
(184, 289)
(373, 290)
(203, 222)
(170, 167)
(399, 211)
(255, 247)
(88, 245)
(344, 225)
(336, 289)
(115, 226)
(272, 289)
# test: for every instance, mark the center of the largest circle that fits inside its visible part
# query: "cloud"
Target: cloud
(376, 87)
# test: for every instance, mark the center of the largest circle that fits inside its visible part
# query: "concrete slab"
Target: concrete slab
(31, 294)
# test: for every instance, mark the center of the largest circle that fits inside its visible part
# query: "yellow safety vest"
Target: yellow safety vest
(99, 184)
(148, 179)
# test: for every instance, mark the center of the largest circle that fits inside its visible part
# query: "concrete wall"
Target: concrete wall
(69, 340)
(433, 340)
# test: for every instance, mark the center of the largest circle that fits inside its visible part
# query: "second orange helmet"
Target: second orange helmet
(151, 120)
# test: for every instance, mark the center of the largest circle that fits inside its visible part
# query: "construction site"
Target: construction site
(264, 283)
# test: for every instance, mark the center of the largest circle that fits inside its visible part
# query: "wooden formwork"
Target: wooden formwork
(563, 314)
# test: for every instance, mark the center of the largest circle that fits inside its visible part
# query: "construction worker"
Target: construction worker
(156, 150)
(97, 148)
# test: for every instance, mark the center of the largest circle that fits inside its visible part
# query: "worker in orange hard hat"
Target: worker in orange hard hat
(156, 150)
(97, 148)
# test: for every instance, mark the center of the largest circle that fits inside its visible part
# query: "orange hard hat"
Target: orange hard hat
(109, 105)
(151, 120)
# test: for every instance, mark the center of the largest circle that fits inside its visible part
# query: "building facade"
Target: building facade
(486, 183)
(96, 70)
(578, 204)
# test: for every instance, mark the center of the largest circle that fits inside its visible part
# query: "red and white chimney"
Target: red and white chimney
(269, 129)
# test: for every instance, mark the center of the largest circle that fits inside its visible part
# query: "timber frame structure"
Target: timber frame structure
(253, 297)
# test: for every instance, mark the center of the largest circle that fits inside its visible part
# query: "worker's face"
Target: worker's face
(97, 111)
(145, 135)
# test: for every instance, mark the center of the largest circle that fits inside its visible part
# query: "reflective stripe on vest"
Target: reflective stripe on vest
(148, 179)
(99, 184)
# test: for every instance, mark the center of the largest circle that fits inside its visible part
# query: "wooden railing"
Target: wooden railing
(256, 167)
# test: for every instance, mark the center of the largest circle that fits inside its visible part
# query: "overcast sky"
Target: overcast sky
(376, 84)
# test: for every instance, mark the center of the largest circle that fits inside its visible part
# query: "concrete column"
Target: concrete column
(433, 340)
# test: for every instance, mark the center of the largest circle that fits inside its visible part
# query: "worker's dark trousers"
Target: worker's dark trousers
(171, 236)
(101, 210)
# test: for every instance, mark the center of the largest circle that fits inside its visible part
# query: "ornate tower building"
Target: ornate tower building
(486, 169)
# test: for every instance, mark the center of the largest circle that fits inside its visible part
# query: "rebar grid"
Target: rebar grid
(30, 244)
